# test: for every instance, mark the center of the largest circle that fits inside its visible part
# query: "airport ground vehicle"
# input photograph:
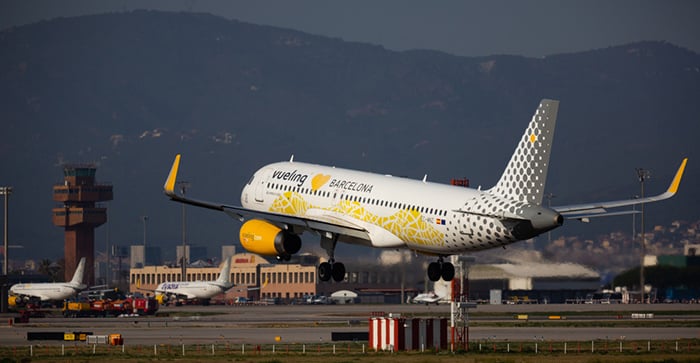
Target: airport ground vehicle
(107, 307)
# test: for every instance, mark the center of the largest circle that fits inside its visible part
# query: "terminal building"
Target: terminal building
(257, 278)
(254, 278)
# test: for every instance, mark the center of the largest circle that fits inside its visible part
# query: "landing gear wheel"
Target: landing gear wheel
(448, 271)
(325, 271)
(338, 271)
(434, 271)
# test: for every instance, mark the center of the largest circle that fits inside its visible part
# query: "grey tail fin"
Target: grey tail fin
(525, 176)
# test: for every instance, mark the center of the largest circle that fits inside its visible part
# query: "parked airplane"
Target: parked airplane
(200, 290)
(284, 199)
(49, 291)
(441, 293)
(428, 298)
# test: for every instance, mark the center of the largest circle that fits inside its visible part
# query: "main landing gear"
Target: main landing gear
(330, 269)
(333, 269)
(439, 269)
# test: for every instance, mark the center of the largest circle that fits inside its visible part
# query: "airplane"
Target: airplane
(49, 291)
(428, 298)
(284, 199)
(441, 293)
(200, 290)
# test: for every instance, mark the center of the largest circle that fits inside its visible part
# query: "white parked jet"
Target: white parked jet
(428, 298)
(49, 291)
(200, 290)
(282, 200)
(441, 293)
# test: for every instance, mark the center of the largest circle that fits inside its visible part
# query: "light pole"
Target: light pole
(183, 263)
(642, 174)
(145, 219)
(634, 222)
(108, 265)
(6, 191)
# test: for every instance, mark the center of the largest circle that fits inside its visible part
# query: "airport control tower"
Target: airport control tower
(80, 215)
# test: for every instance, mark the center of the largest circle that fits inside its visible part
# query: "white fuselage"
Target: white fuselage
(46, 291)
(191, 290)
(397, 212)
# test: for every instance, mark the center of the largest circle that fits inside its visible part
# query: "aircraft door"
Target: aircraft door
(261, 185)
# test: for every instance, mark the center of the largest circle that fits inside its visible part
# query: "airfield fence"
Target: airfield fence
(220, 350)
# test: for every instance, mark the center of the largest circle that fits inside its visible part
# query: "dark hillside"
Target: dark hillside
(130, 90)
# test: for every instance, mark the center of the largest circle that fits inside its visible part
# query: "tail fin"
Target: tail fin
(78, 275)
(526, 173)
(225, 274)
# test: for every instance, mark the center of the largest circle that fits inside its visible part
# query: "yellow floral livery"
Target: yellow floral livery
(406, 224)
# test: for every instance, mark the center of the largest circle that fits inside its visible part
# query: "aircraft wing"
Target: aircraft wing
(36, 296)
(242, 214)
(177, 295)
(602, 209)
(29, 296)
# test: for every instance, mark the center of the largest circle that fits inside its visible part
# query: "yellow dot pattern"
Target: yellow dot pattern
(408, 225)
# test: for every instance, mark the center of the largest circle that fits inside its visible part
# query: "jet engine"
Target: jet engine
(266, 239)
(14, 301)
(162, 299)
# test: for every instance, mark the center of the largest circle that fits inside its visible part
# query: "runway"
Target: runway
(315, 323)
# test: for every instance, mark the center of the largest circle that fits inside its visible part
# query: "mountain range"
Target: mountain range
(127, 91)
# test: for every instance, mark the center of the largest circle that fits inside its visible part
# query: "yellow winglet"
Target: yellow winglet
(172, 177)
(673, 188)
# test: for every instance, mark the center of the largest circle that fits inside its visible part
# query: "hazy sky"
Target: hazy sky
(469, 27)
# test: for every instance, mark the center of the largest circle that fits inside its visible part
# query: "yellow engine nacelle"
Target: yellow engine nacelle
(13, 301)
(162, 299)
(266, 239)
